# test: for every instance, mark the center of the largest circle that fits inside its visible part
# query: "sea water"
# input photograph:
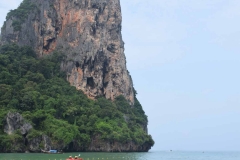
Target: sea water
(152, 155)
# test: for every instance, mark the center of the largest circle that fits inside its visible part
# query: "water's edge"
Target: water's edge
(152, 155)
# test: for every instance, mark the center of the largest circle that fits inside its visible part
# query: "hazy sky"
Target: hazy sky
(184, 57)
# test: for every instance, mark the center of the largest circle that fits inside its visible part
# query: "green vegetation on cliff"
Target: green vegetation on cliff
(37, 89)
(20, 14)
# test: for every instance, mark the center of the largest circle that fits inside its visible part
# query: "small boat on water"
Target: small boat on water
(51, 152)
(76, 158)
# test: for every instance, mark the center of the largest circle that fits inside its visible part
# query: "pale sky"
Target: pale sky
(184, 59)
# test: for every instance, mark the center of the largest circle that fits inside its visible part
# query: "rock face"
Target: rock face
(15, 121)
(98, 145)
(88, 32)
(40, 142)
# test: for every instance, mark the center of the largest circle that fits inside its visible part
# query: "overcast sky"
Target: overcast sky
(184, 58)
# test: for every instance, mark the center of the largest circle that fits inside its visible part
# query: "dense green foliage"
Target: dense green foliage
(37, 89)
(20, 14)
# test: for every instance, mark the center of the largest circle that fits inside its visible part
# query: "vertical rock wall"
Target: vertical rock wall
(88, 32)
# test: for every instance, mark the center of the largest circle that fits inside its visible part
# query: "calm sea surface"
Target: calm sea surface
(153, 155)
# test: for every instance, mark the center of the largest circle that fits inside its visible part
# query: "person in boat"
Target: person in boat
(76, 157)
(70, 158)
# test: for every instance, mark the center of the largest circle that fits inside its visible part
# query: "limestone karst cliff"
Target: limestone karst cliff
(88, 32)
(44, 45)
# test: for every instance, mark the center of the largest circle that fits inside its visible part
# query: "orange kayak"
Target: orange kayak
(74, 159)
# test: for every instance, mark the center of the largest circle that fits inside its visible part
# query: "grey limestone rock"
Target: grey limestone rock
(34, 144)
(40, 142)
(15, 121)
(99, 145)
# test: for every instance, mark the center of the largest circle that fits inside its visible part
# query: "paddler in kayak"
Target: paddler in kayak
(76, 157)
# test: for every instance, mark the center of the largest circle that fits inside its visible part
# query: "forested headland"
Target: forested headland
(38, 90)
